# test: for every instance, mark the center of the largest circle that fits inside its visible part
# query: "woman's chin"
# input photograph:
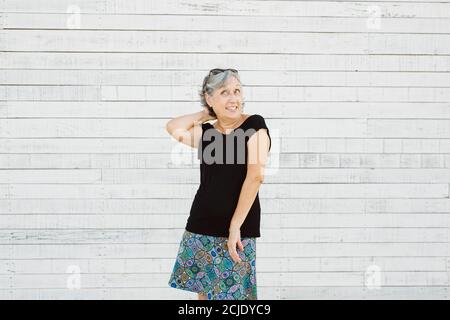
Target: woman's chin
(233, 113)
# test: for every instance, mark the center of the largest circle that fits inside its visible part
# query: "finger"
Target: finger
(240, 245)
(236, 258)
(234, 255)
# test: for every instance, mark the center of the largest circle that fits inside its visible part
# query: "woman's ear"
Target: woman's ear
(208, 99)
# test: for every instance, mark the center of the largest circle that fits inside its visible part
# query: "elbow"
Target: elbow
(257, 179)
(169, 127)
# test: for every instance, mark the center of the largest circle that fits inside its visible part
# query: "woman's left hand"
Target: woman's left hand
(234, 239)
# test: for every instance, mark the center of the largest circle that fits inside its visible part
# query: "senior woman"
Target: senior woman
(217, 252)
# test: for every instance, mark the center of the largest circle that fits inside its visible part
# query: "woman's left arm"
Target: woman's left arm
(258, 151)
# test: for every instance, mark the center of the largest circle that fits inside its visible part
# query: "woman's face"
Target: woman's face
(227, 100)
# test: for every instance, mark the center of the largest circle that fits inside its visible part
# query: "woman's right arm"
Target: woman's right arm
(187, 129)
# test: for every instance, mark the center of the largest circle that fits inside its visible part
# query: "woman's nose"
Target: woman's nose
(234, 97)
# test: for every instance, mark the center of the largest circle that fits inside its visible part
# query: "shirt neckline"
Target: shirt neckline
(226, 134)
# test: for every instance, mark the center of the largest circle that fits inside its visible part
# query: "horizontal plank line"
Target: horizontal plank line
(364, 1)
(259, 272)
(197, 184)
(182, 229)
(74, 184)
(188, 198)
(278, 137)
(176, 243)
(271, 183)
(284, 102)
(359, 71)
(238, 53)
(274, 101)
(284, 138)
(177, 198)
(259, 286)
(158, 86)
(197, 167)
(267, 118)
(287, 153)
(167, 153)
(148, 228)
(234, 15)
(260, 258)
(265, 213)
(234, 31)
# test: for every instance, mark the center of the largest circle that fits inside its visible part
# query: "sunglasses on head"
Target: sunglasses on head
(218, 70)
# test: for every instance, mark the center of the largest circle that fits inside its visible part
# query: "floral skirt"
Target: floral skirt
(204, 265)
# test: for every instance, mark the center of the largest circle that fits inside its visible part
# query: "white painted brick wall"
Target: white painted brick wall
(357, 98)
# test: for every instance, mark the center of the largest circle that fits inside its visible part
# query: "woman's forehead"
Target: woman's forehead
(231, 84)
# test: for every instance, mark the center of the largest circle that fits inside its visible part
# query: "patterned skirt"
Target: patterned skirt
(204, 265)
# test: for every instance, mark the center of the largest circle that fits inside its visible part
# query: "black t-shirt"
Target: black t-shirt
(221, 179)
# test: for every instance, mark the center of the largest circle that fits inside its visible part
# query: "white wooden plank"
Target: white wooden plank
(349, 293)
(184, 93)
(143, 280)
(177, 160)
(245, 8)
(179, 206)
(357, 128)
(310, 235)
(56, 176)
(264, 293)
(265, 264)
(228, 23)
(187, 191)
(98, 294)
(141, 41)
(345, 145)
(182, 61)
(269, 279)
(161, 250)
(91, 145)
(288, 145)
(269, 220)
(170, 109)
(4, 191)
(280, 175)
(252, 78)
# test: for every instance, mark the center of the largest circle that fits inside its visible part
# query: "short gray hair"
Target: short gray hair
(212, 83)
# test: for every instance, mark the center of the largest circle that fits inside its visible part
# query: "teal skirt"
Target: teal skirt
(204, 265)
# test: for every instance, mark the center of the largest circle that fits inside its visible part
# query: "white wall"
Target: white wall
(358, 93)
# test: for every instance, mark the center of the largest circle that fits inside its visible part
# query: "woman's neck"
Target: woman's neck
(230, 125)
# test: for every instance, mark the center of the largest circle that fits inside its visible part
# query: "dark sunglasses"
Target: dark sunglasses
(218, 70)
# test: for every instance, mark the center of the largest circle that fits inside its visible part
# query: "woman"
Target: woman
(217, 253)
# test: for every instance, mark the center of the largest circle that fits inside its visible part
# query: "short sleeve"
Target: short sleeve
(258, 122)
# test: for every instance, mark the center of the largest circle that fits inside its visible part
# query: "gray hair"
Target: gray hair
(212, 83)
